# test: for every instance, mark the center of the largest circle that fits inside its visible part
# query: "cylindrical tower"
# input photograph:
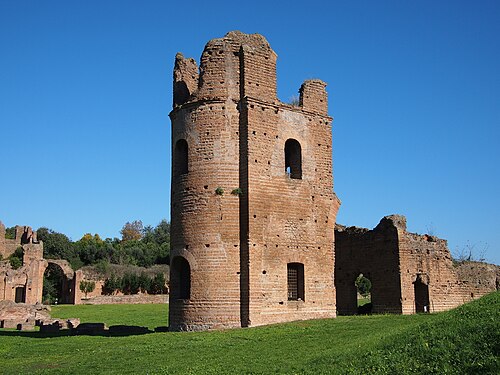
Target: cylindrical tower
(252, 206)
(205, 227)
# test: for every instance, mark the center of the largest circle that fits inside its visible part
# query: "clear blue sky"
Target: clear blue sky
(414, 87)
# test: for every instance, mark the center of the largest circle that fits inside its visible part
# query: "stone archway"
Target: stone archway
(58, 282)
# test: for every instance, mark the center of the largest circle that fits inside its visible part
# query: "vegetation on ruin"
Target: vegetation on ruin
(16, 258)
(464, 340)
(10, 233)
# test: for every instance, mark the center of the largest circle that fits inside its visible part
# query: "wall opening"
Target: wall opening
(180, 157)
(293, 159)
(421, 296)
(20, 294)
(295, 278)
(55, 286)
(180, 278)
(363, 294)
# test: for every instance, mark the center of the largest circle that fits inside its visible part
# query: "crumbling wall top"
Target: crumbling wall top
(396, 221)
(239, 38)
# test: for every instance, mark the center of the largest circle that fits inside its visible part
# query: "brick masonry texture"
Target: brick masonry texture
(398, 263)
(238, 246)
(240, 219)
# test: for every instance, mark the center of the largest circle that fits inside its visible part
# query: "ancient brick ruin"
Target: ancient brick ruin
(24, 284)
(410, 273)
(253, 208)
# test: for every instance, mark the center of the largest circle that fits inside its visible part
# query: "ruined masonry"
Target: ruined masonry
(410, 273)
(253, 209)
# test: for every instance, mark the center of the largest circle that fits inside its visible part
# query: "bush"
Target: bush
(144, 282)
(87, 287)
(130, 284)
(363, 285)
(111, 285)
(16, 258)
(157, 284)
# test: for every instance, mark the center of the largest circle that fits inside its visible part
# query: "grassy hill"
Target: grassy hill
(462, 341)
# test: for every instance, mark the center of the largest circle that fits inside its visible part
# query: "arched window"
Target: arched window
(293, 159)
(181, 278)
(295, 277)
(181, 157)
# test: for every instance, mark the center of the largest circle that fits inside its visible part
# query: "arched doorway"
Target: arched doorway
(58, 285)
(421, 295)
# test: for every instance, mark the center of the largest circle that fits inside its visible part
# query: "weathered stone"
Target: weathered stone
(14, 315)
(409, 272)
(252, 192)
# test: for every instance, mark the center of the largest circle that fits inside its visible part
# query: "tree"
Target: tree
(363, 285)
(130, 283)
(157, 284)
(87, 287)
(162, 232)
(16, 258)
(111, 284)
(144, 282)
(470, 253)
(58, 246)
(132, 231)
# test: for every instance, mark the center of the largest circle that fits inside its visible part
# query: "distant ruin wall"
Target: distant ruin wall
(24, 284)
(409, 272)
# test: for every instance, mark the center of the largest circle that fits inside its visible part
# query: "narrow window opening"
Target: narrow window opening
(293, 159)
(295, 275)
(181, 157)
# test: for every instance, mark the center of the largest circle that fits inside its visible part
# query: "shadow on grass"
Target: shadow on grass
(86, 330)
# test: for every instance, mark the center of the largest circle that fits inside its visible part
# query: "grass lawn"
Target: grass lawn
(464, 340)
(363, 301)
(151, 315)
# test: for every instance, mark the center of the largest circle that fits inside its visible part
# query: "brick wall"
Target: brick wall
(238, 246)
(398, 264)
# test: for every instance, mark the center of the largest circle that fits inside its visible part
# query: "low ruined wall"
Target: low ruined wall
(374, 253)
(129, 299)
(409, 272)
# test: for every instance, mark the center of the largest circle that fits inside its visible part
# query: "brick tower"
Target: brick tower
(252, 207)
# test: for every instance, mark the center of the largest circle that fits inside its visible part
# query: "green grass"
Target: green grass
(151, 315)
(464, 340)
(363, 301)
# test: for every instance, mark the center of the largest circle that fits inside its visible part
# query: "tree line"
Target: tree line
(140, 245)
